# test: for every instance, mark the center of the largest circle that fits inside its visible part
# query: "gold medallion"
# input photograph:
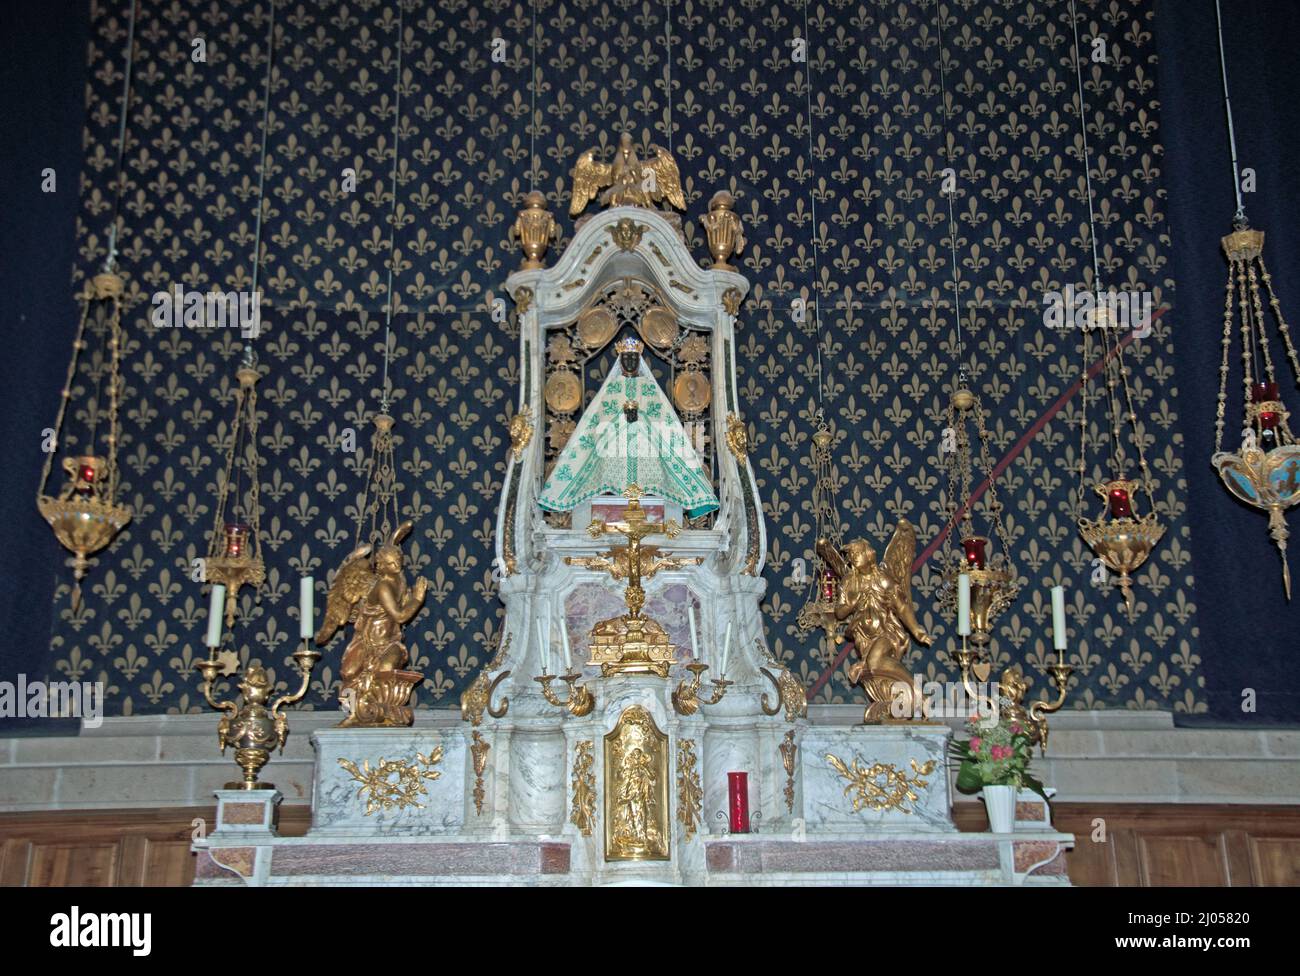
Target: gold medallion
(596, 326)
(659, 328)
(692, 392)
(563, 392)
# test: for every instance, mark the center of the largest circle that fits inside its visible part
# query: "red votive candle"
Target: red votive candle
(1268, 419)
(1263, 392)
(85, 475)
(828, 586)
(974, 549)
(236, 539)
(1119, 503)
(738, 802)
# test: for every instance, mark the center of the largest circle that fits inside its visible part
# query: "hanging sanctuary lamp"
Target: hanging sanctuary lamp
(85, 514)
(1121, 538)
(821, 585)
(1265, 471)
(991, 576)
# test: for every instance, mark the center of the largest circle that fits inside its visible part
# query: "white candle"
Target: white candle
(543, 651)
(216, 610)
(963, 605)
(695, 640)
(564, 638)
(726, 651)
(1058, 618)
(306, 608)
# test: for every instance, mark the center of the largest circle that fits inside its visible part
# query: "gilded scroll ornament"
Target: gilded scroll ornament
(479, 753)
(690, 795)
(790, 694)
(731, 299)
(789, 750)
(882, 786)
(629, 181)
(636, 789)
(584, 789)
(394, 784)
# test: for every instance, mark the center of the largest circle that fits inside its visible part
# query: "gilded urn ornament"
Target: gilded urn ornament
(536, 228)
(372, 594)
(874, 599)
(724, 230)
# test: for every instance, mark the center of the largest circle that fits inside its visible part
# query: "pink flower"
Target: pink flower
(1015, 729)
(998, 752)
(975, 744)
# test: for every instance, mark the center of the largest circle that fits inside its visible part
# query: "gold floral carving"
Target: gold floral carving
(636, 789)
(882, 786)
(394, 784)
(690, 796)
(788, 752)
(584, 789)
(479, 752)
(523, 300)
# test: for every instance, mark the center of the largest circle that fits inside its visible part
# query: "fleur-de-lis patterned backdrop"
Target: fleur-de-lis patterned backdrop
(836, 161)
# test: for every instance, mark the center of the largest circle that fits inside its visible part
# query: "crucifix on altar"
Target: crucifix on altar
(632, 643)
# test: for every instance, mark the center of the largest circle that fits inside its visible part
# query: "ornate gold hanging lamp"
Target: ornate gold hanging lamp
(85, 515)
(1265, 471)
(235, 545)
(821, 585)
(994, 581)
(1120, 537)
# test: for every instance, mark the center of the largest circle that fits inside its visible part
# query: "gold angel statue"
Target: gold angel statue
(876, 601)
(630, 181)
(373, 595)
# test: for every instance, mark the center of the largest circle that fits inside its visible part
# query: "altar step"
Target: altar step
(1027, 857)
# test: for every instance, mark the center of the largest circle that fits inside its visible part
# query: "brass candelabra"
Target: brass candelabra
(579, 702)
(252, 727)
(1010, 693)
(686, 696)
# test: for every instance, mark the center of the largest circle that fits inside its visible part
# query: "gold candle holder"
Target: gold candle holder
(579, 702)
(686, 696)
(251, 727)
(1011, 688)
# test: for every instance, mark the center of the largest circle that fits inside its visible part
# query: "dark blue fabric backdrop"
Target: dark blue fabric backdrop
(1247, 629)
(1249, 634)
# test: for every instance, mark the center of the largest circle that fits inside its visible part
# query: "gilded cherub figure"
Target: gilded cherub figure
(876, 601)
(374, 596)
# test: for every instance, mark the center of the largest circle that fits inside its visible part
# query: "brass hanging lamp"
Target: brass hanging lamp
(1121, 538)
(86, 515)
(1265, 471)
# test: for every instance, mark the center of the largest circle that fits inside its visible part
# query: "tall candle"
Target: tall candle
(564, 639)
(963, 605)
(726, 652)
(216, 612)
(1058, 617)
(306, 608)
(695, 638)
(543, 649)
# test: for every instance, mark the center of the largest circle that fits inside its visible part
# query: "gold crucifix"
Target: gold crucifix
(633, 561)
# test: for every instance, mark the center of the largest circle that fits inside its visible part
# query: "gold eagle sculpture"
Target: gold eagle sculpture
(629, 181)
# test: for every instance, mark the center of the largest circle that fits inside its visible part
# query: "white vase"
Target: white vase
(1000, 802)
